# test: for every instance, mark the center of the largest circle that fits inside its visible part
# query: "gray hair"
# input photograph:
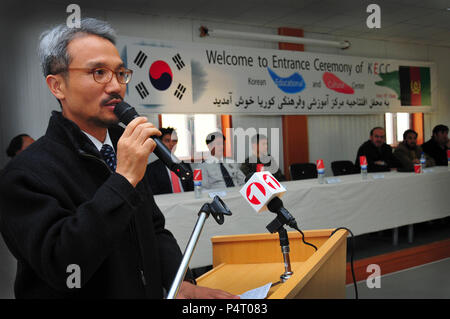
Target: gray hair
(53, 43)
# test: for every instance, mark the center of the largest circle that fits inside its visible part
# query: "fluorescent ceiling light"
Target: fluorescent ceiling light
(217, 33)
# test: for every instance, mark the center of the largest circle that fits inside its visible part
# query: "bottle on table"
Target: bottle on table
(198, 183)
(363, 164)
(320, 171)
(448, 159)
(422, 162)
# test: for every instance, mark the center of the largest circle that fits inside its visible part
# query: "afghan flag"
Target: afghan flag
(415, 86)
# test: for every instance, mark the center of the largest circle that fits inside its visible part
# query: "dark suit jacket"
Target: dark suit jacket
(249, 167)
(433, 149)
(160, 180)
(374, 154)
(60, 204)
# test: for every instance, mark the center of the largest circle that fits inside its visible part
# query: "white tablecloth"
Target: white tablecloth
(364, 206)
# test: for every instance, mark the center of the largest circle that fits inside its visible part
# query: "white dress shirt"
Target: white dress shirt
(99, 144)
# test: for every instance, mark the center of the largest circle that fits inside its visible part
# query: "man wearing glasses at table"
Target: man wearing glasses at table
(75, 202)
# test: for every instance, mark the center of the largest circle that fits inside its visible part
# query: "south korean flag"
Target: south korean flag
(161, 78)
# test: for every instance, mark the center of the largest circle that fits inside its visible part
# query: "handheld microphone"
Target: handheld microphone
(126, 113)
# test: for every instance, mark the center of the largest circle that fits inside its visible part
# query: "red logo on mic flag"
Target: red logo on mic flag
(362, 161)
(252, 189)
(270, 180)
(257, 194)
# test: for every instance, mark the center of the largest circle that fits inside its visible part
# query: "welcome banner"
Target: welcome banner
(179, 77)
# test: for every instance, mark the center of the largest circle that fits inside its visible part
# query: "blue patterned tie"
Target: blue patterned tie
(109, 156)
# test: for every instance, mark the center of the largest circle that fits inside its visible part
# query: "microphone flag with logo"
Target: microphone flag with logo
(260, 189)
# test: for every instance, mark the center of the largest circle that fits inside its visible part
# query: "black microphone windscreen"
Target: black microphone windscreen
(248, 177)
(125, 112)
(275, 204)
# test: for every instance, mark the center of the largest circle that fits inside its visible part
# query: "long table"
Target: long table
(383, 201)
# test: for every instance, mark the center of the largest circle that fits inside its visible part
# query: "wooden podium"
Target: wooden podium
(245, 262)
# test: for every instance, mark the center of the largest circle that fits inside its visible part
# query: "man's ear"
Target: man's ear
(56, 84)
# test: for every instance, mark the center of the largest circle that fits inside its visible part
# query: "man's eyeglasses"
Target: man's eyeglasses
(104, 75)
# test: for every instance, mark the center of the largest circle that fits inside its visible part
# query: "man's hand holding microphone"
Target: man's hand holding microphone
(134, 147)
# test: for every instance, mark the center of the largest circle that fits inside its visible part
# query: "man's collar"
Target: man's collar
(65, 131)
(97, 143)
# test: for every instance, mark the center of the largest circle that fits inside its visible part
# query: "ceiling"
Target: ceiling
(414, 21)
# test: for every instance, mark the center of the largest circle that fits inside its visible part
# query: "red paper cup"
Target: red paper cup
(417, 168)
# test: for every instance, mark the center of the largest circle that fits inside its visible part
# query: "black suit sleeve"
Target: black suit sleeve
(158, 178)
(392, 160)
(50, 237)
(188, 184)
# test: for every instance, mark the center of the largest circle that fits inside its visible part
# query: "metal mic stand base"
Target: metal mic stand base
(284, 243)
(277, 226)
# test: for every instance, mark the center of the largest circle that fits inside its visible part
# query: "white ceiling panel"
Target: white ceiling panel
(403, 20)
(260, 13)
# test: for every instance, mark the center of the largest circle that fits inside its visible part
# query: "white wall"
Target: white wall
(27, 104)
(338, 137)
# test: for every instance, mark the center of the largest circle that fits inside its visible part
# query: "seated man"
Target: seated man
(18, 144)
(261, 156)
(162, 180)
(408, 152)
(438, 145)
(378, 153)
(216, 173)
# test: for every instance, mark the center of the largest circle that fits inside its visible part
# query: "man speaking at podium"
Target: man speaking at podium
(76, 211)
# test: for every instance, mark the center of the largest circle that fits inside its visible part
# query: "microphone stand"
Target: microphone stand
(284, 243)
(217, 209)
(277, 226)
